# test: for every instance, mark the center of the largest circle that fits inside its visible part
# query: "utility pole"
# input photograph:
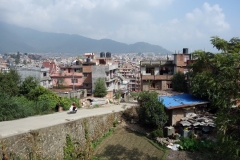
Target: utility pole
(73, 82)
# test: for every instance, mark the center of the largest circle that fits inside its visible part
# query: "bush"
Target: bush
(115, 123)
(156, 133)
(36, 92)
(192, 144)
(14, 107)
(134, 94)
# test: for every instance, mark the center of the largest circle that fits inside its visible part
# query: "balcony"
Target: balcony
(110, 78)
(157, 77)
(163, 77)
(148, 77)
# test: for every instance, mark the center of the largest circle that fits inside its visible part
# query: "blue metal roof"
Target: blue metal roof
(180, 100)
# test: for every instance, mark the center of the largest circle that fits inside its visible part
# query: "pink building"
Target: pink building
(70, 76)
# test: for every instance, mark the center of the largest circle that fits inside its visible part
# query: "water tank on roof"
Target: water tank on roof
(77, 63)
(185, 50)
(102, 54)
(108, 54)
(88, 60)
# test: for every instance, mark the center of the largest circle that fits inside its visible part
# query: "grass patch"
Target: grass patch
(126, 144)
(97, 142)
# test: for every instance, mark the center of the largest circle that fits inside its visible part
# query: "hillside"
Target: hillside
(14, 38)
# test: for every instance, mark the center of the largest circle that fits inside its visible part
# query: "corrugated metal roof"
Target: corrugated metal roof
(180, 101)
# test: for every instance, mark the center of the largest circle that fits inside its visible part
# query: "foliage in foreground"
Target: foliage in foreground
(19, 100)
(192, 144)
(215, 77)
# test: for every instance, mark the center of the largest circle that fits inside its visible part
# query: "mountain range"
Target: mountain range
(14, 38)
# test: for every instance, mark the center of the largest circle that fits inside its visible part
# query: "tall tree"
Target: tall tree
(28, 84)
(216, 77)
(9, 82)
(179, 82)
(100, 89)
(151, 111)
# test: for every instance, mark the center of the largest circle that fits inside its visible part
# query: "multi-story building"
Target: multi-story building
(69, 76)
(101, 67)
(131, 73)
(3, 66)
(87, 73)
(157, 75)
(41, 74)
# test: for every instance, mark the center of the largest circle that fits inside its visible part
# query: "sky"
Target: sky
(172, 24)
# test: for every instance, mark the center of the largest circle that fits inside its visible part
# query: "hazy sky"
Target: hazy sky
(172, 24)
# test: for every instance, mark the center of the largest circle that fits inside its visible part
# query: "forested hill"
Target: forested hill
(14, 38)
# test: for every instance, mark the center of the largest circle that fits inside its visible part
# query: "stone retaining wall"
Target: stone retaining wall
(48, 143)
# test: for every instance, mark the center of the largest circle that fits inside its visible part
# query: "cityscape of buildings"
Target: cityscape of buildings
(132, 72)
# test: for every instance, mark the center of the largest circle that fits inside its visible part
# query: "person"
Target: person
(5, 157)
(73, 108)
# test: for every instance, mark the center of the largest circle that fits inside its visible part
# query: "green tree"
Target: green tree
(179, 82)
(216, 77)
(9, 82)
(233, 46)
(151, 111)
(28, 84)
(36, 92)
(118, 96)
(100, 89)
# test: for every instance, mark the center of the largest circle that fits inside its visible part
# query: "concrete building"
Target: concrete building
(104, 67)
(3, 66)
(69, 76)
(41, 74)
(130, 71)
(157, 75)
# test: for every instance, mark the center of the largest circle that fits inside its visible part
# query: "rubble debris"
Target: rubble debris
(169, 143)
(198, 120)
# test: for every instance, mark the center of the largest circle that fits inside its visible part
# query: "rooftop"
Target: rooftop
(180, 101)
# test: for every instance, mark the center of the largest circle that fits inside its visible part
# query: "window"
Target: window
(150, 70)
(85, 74)
(74, 80)
(44, 74)
(169, 85)
(186, 58)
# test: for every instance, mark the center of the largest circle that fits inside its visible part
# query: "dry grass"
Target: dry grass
(127, 145)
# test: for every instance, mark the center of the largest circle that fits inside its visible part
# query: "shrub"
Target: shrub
(192, 144)
(14, 107)
(156, 133)
(134, 94)
(115, 123)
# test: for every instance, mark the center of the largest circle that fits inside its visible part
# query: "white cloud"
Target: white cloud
(210, 17)
(174, 21)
